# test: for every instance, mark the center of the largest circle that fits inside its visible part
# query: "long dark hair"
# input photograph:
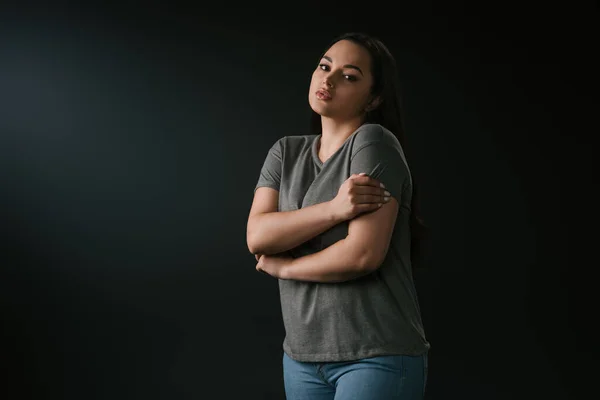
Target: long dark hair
(389, 115)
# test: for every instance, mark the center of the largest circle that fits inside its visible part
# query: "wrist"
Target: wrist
(331, 212)
(284, 272)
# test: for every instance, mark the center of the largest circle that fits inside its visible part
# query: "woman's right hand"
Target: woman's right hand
(358, 194)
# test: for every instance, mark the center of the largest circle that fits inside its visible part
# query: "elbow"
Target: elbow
(252, 245)
(255, 250)
(253, 235)
(251, 248)
(251, 240)
(369, 262)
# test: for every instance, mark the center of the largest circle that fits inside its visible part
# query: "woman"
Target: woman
(332, 219)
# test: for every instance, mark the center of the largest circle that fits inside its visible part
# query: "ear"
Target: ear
(373, 104)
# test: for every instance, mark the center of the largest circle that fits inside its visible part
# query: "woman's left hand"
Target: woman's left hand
(273, 265)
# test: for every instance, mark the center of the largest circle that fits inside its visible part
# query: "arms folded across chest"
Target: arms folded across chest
(272, 232)
(359, 254)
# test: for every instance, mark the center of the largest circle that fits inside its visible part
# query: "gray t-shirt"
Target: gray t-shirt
(377, 314)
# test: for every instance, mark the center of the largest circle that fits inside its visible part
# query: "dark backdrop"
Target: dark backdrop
(131, 142)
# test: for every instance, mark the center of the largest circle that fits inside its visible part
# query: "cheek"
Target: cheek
(314, 81)
(311, 87)
(360, 99)
(352, 98)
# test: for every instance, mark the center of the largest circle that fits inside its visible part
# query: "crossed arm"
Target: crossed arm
(360, 253)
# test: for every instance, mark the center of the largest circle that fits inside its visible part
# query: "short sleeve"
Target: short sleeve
(270, 174)
(385, 163)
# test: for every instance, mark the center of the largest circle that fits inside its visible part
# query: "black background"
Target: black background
(131, 141)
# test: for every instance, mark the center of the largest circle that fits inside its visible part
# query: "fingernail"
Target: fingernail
(382, 185)
(362, 173)
(386, 198)
(386, 193)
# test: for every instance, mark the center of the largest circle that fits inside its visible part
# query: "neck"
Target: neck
(334, 134)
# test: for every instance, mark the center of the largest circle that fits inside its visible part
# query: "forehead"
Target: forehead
(347, 52)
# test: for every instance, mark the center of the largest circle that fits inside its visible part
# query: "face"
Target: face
(341, 83)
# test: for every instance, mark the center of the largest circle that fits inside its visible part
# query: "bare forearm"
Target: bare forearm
(336, 263)
(276, 232)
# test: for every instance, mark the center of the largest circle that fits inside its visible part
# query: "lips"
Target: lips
(323, 94)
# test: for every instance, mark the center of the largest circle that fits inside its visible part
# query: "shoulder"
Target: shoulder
(374, 134)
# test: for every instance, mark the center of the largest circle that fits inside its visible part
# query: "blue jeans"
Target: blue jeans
(394, 377)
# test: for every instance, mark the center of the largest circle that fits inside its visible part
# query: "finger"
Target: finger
(356, 176)
(262, 270)
(376, 191)
(365, 180)
(370, 190)
(368, 207)
(370, 199)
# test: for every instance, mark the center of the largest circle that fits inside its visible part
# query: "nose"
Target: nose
(327, 82)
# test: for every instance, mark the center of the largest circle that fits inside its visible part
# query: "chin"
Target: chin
(320, 108)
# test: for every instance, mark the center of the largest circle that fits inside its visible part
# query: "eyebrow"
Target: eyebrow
(345, 66)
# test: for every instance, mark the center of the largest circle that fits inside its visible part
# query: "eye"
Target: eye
(350, 78)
